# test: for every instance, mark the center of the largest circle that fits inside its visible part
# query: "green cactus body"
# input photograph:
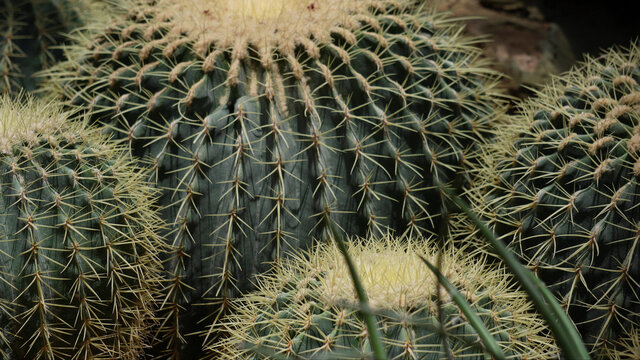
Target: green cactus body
(267, 120)
(307, 308)
(568, 191)
(78, 254)
(29, 32)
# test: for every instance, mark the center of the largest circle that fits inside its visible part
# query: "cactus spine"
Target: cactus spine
(307, 308)
(566, 193)
(78, 253)
(267, 120)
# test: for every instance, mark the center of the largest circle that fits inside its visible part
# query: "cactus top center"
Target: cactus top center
(264, 25)
(263, 9)
(389, 278)
(394, 277)
(26, 120)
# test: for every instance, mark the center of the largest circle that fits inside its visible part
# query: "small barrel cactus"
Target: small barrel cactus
(266, 120)
(308, 308)
(79, 260)
(566, 190)
(29, 32)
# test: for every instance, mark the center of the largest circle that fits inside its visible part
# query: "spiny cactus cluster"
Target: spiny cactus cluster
(265, 125)
(29, 32)
(567, 192)
(308, 308)
(268, 121)
(78, 249)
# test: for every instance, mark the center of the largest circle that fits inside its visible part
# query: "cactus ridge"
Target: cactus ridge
(565, 193)
(78, 252)
(259, 143)
(308, 308)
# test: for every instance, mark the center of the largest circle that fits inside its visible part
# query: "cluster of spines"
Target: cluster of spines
(629, 347)
(566, 191)
(78, 249)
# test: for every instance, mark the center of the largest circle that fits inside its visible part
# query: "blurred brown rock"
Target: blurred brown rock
(530, 40)
(524, 46)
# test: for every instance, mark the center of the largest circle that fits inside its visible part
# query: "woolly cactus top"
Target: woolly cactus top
(393, 277)
(265, 25)
(308, 306)
(18, 125)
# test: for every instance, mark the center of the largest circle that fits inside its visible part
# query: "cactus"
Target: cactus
(78, 255)
(565, 193)
(308, 309)
(266, 120)
(30, 30)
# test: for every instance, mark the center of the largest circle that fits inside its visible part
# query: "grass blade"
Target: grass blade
(490, 343)
(374, 334)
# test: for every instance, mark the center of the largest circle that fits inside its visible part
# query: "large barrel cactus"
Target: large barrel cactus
(266, 120)
(30, 30)
(566, 193)
(308, 308)
(78, 254)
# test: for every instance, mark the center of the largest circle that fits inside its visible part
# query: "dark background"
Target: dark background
(592, 25)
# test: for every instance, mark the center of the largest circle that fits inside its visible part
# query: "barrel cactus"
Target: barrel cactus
(308, 309)
(78, 254)
(266, 120)
(566, 192)
(30, 30)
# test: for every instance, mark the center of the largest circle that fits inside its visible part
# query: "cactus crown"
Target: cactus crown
(388, 283)
(266, 30)
(262, 25)
(18, 125)
(307, 306)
